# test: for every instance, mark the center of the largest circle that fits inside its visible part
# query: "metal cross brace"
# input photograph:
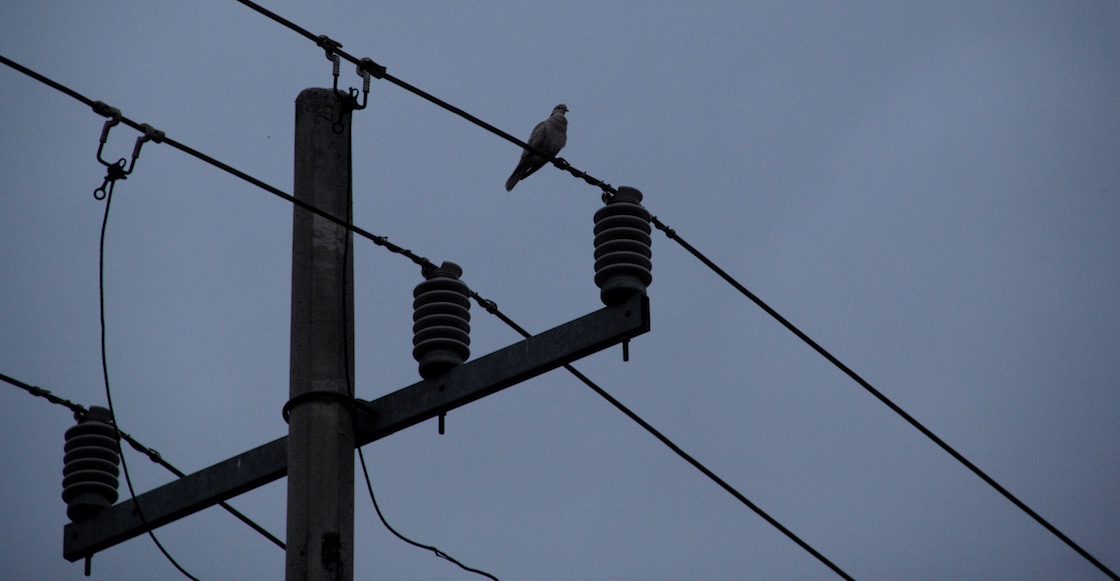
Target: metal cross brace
(375, 419)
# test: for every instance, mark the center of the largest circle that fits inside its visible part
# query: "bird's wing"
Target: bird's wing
(538, 137)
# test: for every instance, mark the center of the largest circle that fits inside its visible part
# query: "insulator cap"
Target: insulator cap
(441, 321)
(622, 247)
(89, 468)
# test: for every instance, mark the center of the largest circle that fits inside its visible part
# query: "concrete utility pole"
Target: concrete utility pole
(320, 540)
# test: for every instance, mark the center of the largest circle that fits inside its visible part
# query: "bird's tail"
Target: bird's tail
(512, 181)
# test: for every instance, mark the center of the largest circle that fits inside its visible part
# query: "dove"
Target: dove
(549, 136)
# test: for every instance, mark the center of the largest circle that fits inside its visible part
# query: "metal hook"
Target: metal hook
(330, 47)
(335, 60)
(116, 171)
(352, 104)
(363, 71)
(150, 134)
(114, 117)
(342, 104)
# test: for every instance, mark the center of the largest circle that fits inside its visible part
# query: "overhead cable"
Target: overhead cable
(380, 72)
(672, 235)
(103, 110)
(492, 308)
(152, 454)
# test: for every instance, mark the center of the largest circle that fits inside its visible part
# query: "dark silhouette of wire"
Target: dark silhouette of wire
(493, 309)
(379, 72)
(98, 107)
(155, 456)
(108, 390)
(46, 81)
(347, 249)
(672, 235)
(80, 411)
(434, 550)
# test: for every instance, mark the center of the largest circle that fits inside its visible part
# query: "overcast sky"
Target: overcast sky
(929, 190)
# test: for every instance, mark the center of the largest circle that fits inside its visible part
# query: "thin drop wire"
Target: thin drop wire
(434, 550)
(351, 391)
(109, 392)
(382, 241)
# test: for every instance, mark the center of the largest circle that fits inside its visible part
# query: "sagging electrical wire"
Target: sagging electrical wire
(347, 247)
(154, 455)
(434, 550)
(380, 72)
(101, 108)
(492, 308)
(672, 235)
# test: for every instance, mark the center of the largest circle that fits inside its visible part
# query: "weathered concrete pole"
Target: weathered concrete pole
(320, 535)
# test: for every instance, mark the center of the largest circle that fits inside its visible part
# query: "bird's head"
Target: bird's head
(560, 109)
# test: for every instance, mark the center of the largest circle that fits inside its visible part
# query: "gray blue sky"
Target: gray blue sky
(930, 190)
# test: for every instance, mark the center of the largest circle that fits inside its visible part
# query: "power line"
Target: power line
(489, 305)
(492, 308)
(380, 72)
(156, 457)
(672, 235)
(80, 411)
(101, 109)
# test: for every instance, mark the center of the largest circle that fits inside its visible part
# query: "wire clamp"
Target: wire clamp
(314, 396)
(363, 71)
(374, 69)
(117, 170)
(330, 48)
(328, 44)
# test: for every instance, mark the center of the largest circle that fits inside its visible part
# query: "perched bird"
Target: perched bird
(549, 136)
